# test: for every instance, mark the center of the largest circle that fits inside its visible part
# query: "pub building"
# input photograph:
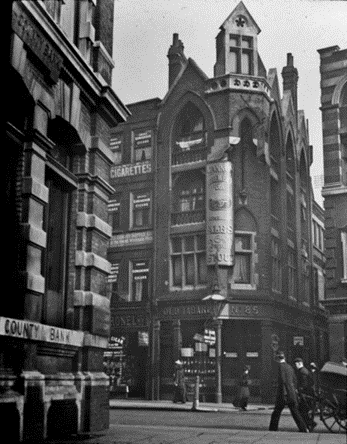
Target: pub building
(230, 252)
(55, 314)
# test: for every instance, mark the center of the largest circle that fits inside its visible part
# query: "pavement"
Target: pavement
(142, 434)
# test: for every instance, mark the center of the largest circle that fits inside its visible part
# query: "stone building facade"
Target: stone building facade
(333, 66)
(54, 321)
(232, 207)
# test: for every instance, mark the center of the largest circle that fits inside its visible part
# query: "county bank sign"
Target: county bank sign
(34, 331)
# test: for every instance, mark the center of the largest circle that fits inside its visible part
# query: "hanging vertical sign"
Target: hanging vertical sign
(220, 226)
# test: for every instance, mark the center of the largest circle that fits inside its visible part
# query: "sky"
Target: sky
(143, 35)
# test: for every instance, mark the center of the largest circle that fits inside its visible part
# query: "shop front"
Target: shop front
(250, 334)
(126, 360)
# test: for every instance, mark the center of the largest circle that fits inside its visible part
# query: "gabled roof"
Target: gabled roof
(241, 9)
(190, 63)
(273, 82)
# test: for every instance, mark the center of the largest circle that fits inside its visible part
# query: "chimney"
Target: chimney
(176, 58)
(290, 80)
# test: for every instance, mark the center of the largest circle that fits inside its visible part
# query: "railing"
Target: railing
(188, 217)
(194, 155)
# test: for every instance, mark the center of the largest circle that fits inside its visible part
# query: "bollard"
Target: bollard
(196, 394)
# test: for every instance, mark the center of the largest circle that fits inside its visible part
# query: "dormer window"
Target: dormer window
(241, 54)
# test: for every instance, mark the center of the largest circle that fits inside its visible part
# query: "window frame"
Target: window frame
(134, 149)
(132, 273)
(116, 146)
(182, 254)
(252, 253)
(239, 50)
(132, 218)
(291, 273)
(344, 256)
(116, 203)
(276, 266)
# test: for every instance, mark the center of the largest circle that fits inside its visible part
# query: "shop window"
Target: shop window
(276, 266)
(139, 277)
(116, 146)
(241, 54)
(344, 255)
(56, 223)
(291, 273)
(142, 145)
(243, 272)
(140, 212)
(114, 207)
(188, 261)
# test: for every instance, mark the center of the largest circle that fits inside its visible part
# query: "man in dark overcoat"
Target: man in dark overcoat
(286, 395)
(305, 391)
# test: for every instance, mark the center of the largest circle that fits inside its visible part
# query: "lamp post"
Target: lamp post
(217, 301)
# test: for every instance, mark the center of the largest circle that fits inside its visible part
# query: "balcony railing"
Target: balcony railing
(189, 149)
(188, 217)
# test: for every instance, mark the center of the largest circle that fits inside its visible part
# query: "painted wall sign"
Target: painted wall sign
(186, 311)
(129, 320)
(230, 354)
(137, 238)
(36, 41)
(131, 169)
(244, 310)
(220, 227)
(34, 331)
(252, 354)
(116, 145)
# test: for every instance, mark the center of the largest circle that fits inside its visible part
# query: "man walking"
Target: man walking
(306, 392)
(286, 395)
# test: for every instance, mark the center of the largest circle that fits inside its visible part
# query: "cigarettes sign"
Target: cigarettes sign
(220, 223)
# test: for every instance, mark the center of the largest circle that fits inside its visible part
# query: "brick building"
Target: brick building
(54, 320)
(232, 203)
(333, 65)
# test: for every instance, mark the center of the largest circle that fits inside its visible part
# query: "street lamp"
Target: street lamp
(217, 301)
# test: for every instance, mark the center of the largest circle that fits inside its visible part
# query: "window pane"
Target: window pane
(246, 42)
(245, 63)
(189, 243)
(233, 61)
(201, 242)
(202, 269)
(242, 269)
(234, 40)
(177, 271)
(176, 244)
(189, 269)
(242, 242)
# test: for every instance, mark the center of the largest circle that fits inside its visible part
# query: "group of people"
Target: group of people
(293, 390)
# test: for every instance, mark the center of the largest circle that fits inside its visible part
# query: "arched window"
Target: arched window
(189, 136)
(188, 198)
(305, 269)
(343, 108)
(291, 220)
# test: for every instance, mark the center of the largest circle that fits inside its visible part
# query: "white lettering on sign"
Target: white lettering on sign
(220, 227)
(39, 332)
(130, 170)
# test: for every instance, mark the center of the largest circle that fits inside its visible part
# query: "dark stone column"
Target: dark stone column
(218, 327)
(177, 339)
(266, 379)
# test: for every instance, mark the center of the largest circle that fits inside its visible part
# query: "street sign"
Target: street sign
(210, 336)
(298, 340)
(198, 337)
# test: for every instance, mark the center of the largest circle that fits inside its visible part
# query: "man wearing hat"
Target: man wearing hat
(180, 393)
(286, 395)
(306, 392)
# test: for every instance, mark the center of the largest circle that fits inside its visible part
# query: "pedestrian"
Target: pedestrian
(305, 392)
(244, 388)
(315, 377)
(286, 395)
(180, 391)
